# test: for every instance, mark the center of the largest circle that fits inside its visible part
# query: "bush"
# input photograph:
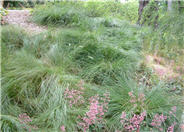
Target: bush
(3, 12)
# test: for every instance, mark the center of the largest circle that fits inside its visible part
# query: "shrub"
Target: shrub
(3, 12)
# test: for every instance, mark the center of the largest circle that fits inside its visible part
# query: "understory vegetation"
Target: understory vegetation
(87, 72)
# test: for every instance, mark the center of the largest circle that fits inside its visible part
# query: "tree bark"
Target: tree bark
(156, 10)
(169, 7)
(2, 2)
(180, 7)
(142, 4)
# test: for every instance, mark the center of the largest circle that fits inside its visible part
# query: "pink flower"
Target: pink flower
(98, 107)
(137, 100)
(80, 84)
(123, 115)
(182, 126)
(26, 120)
(173, 108)
(130, 94)
(171, 128)
(173, 111)
(62, 128)
(133, 123)
(158, 120)
(74, 97)
(141, 97)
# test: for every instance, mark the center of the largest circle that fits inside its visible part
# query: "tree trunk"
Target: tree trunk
(180, 6)
(169, 7)
(156, 10)
(2, 2)
(142, 4)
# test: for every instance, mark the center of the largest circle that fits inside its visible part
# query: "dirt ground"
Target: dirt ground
(22, 19)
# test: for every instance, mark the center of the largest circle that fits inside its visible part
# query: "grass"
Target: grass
(93, 52)
(77, 13)
(167, 39)
(13, 37)
(156, 101)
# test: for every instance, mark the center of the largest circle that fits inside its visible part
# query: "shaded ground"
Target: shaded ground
(163, 68)
(21, 18)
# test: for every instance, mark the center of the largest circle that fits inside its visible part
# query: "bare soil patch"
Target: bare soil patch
(21, 18)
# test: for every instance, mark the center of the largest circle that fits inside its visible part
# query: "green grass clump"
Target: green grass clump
(102, 64)
(114, 53)
(36, 87)
(13, 37)
(157, 101)
(79, 13)
(104, 54)
(59, 14)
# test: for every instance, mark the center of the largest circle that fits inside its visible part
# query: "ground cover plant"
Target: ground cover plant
(87, 73)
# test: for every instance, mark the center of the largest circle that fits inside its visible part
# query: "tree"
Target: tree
(169, 5)
(142, 4)
(181, 6)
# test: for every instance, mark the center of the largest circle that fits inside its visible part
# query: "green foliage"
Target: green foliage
(38, 86)
(21, 3)
(157, 100)
(3, 12)
(172, 33)
(104, 59)
(168, 38)
(150, 14)
(107, 52)
(13, 37)
(165, 32)
(62, 14)
(96, 46)
(10, 124)
(130, 11)
(78, 13)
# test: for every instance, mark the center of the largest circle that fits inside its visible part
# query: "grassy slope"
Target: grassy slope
(105, 52)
